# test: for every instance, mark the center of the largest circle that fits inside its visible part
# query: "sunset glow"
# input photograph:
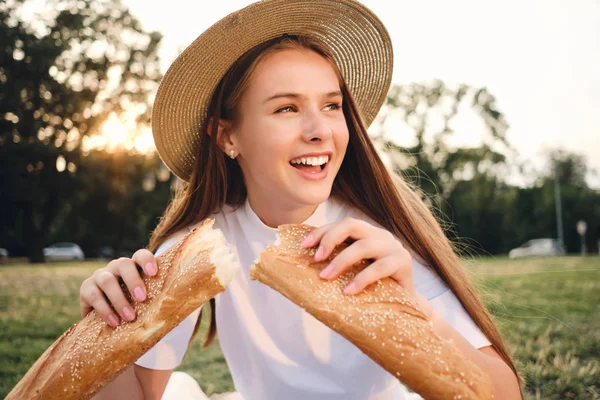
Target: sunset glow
(121, 133)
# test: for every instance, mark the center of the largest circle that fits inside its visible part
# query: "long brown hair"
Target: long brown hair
(363, 182)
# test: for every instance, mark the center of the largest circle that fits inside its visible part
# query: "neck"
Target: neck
(277, 214)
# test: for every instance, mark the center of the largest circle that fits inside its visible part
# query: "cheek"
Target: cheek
(264, 148)
(341, 137)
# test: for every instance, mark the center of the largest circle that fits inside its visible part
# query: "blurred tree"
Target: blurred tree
(112, 209)
(62, 72)
(429, 110)
(463, 182)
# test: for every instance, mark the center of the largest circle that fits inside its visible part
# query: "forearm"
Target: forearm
(125, 386)
(505, 382)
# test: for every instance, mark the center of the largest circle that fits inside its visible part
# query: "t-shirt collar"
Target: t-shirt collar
(267, 234)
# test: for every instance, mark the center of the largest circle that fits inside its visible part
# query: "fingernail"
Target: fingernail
(326, 272)
(150, 269)
(113, 321)
(307, 240)
(350, 289)
(319, 253)
(139, 294)
(128, 313)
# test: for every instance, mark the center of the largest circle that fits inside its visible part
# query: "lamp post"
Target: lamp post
(557, 202)
(581, 229)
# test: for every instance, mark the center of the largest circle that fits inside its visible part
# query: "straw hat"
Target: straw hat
(359, 42)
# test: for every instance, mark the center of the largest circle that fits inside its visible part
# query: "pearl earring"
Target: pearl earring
(232, 154)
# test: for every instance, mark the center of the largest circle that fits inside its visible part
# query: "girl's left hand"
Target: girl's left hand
(391, 259)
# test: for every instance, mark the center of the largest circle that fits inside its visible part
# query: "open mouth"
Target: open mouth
(310, 164)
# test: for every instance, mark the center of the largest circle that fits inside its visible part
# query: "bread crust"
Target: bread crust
(90, 354)
(381, 321)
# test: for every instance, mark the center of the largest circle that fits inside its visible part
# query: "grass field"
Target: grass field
(547, 310)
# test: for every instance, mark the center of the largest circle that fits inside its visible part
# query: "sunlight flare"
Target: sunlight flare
(121, 133)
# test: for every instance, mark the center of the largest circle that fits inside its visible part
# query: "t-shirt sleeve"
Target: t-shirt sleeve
(447, 305)
(168, 353)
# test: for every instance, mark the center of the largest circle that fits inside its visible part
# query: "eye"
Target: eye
(334, 106)
(285, 109)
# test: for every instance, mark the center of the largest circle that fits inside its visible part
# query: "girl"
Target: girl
(265, 117)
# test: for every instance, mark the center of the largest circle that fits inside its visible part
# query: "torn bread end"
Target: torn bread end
(225, 262)
(222, 256)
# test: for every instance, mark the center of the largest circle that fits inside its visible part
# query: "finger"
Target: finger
(85, 308)
(340, 232)
(357, 251)
(380, 269)
(84, 305)
(315, 235)
(132, 279)
(109, 284)
(145, 259)
(93, 298)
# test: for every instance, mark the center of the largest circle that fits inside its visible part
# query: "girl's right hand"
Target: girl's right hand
(102, 291)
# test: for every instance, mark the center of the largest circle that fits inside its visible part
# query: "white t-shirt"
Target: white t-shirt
(273, 348)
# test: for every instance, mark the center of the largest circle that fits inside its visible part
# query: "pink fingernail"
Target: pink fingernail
(128, 313)
(151, 269)
(112, 321)
(139, 294)
(306, 241)
(326, 272)
(350, 289)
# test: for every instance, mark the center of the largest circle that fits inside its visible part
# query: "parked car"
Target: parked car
(3, 254)
(538, 247)
(63, 251)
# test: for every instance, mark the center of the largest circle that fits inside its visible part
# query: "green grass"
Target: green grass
(546, 309)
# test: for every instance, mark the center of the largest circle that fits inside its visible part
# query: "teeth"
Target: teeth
(311, 160)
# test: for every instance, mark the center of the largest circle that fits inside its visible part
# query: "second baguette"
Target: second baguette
(381, 321)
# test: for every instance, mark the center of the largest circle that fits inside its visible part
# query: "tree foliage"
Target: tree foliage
(467, 185)
(61, 73)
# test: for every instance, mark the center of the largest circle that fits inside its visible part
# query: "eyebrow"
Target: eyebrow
(298, 96)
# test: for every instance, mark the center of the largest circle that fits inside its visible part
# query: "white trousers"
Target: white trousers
(182, 386)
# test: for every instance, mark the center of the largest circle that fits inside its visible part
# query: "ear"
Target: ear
(223, 133)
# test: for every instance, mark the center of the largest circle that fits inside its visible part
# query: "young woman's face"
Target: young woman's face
(292, 135)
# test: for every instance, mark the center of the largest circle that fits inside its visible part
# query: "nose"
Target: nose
(316, 127)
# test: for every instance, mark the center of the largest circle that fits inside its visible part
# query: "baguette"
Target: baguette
(91, 353)
(381, 321)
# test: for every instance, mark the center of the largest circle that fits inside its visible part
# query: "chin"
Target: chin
(312, 197)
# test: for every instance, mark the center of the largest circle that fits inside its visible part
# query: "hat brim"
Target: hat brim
(359, 42)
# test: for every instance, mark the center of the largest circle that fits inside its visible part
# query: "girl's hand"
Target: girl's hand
(103, 293)
(391, 259)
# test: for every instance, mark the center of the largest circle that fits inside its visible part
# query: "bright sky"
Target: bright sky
(540, 58)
